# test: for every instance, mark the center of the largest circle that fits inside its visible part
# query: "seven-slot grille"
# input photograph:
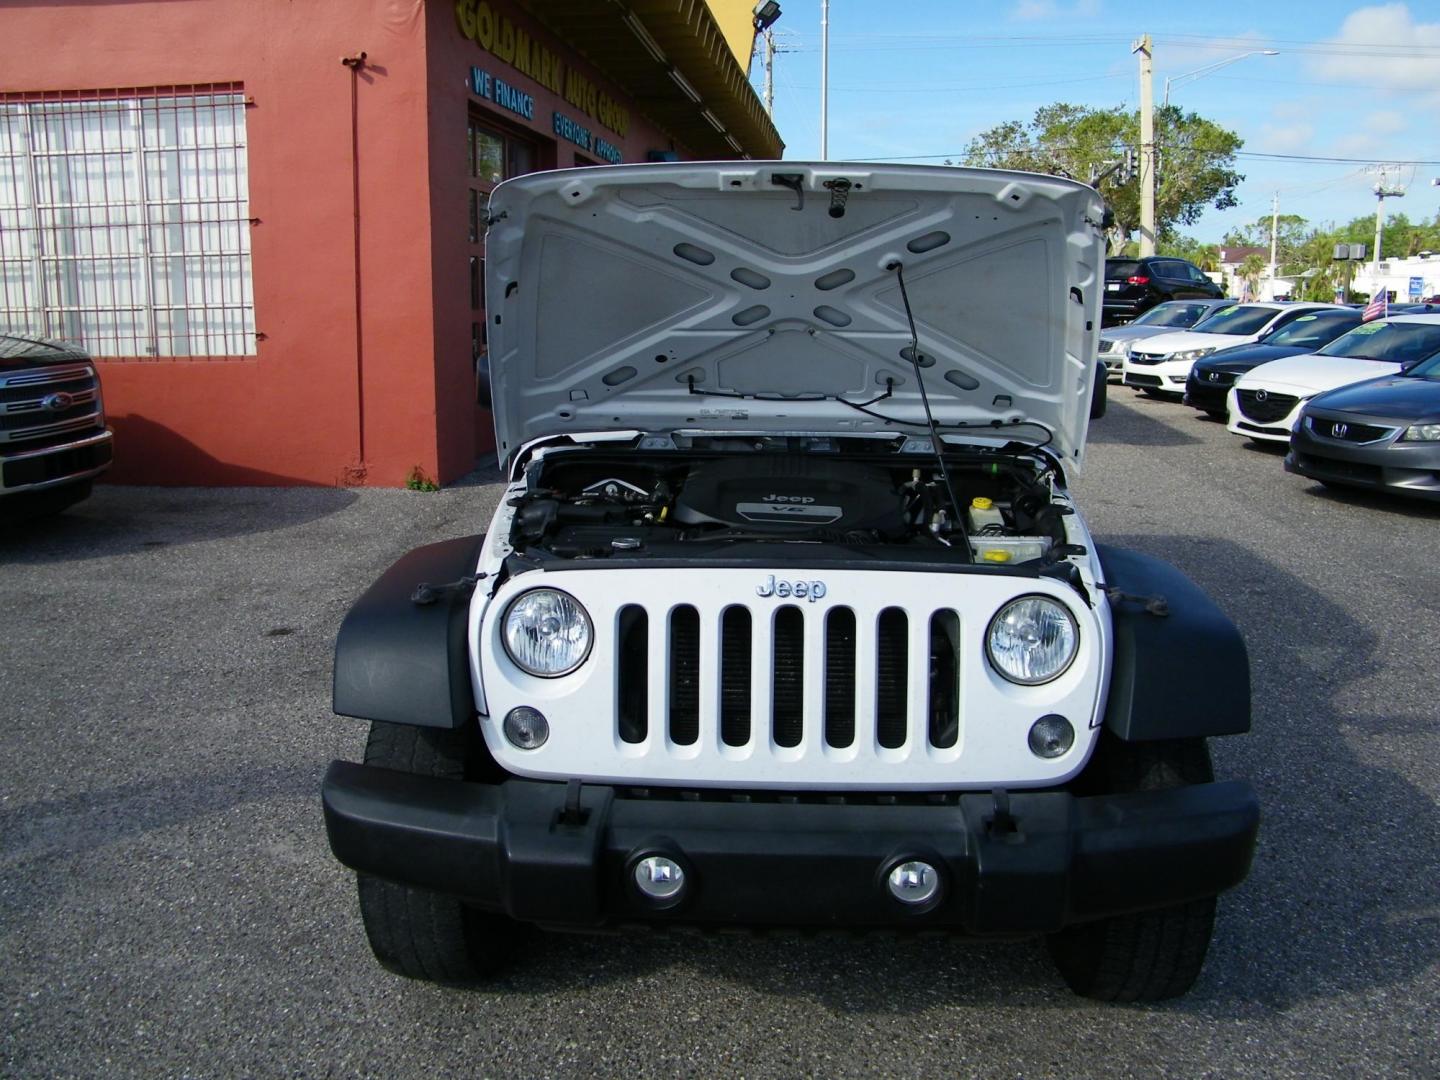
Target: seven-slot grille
(871, 667)
(50, 404)
(1264, 407)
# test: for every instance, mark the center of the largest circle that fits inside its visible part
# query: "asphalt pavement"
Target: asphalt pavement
(169, 907)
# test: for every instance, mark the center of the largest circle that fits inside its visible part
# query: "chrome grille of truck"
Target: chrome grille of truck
(42, 404)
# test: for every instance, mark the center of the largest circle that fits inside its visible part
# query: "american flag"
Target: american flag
(1379, 305)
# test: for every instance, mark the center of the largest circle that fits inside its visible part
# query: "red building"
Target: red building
(265, 218)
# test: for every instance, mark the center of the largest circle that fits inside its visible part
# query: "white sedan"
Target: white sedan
(1265, 402)
(1166, 318)
(1160, 365)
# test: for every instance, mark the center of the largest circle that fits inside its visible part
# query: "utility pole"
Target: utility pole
(1383, 191)
(824, 78)
(1274, 232)
(1147, 146)
(770, 73)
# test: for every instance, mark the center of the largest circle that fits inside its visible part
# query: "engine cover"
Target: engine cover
(779, 493)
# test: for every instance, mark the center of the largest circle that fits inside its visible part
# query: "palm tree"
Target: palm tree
(1250, 270)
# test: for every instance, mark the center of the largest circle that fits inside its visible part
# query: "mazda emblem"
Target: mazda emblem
(1339, 430)
(57, 402)
(1261, 395)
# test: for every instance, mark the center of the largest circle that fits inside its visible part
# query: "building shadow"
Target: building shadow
(227, 501)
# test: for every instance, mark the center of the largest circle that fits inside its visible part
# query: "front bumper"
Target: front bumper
(1207, 395)
(1387, 465)
(55, 466)
(1053, 859)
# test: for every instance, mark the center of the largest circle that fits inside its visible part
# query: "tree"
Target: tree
(1250, 270)
(1205, 256)
(1195, 160)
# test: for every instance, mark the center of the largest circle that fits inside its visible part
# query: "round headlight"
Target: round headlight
(1032, 640)
(547, 633)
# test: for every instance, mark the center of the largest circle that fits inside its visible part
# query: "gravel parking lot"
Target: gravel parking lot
(168, 905)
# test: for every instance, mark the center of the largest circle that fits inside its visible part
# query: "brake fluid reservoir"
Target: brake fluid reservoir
(983, 512)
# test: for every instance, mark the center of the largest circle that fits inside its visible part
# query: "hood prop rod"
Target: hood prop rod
(899, 268)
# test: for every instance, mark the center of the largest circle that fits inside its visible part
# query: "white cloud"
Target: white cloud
(1049, 10)
(1386, 121)
(1035, 11)
(1355, 144)
(1287, 139)
(1383, 46)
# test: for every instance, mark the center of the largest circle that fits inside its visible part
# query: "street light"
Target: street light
(766, 12)
(1200, 73)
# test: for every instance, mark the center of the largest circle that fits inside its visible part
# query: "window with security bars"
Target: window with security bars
(125, 222)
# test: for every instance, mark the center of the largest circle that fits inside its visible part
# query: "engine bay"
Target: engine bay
(726, 495)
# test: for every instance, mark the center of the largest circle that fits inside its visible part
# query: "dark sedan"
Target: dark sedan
(1210, 378)
(1383, 433)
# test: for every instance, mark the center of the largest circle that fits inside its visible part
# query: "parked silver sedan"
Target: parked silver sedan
(1115, 341)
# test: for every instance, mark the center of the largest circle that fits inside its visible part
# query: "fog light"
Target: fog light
(1051, 736)
(914, 882)
(526, 727)
(659, 878)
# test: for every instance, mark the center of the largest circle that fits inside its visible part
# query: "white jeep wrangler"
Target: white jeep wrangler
(787, 617)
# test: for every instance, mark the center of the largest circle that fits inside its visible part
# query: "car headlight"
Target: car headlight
(1032, 640)
(547, 633)
(1192, 354)
(1421, 433)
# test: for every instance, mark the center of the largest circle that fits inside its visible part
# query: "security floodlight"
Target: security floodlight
(766, 12)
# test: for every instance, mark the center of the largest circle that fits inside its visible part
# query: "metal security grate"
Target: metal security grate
(125, 221)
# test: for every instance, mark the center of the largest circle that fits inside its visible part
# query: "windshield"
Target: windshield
(1236, 319)
(1397, 342)
(1426, 369)
(1313, 330)
(1121, 268)
(1177, 314)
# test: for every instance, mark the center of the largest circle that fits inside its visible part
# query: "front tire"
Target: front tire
(415, 932)
(1149, 955)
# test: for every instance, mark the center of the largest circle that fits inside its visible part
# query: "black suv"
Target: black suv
(1134, 286)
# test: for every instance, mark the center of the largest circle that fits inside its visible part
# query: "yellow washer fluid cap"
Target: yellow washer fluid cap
(981, 503)
(995, 555)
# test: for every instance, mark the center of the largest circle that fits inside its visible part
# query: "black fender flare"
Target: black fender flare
(406, 662)
(1184, 674)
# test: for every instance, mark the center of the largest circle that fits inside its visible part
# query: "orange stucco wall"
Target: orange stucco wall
(291, 414)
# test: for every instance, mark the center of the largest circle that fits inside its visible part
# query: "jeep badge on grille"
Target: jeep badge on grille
(813, 590)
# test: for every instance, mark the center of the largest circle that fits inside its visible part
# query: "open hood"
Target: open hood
(764, 297)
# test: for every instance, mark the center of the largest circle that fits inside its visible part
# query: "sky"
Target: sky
(915, 80)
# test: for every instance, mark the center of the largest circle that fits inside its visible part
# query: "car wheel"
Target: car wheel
(1149, 955)
(415, 932)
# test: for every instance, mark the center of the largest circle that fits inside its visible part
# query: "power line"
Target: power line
(971, 86)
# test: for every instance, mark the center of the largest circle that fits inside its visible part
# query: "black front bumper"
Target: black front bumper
(1212, 397)
(1053, 859)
